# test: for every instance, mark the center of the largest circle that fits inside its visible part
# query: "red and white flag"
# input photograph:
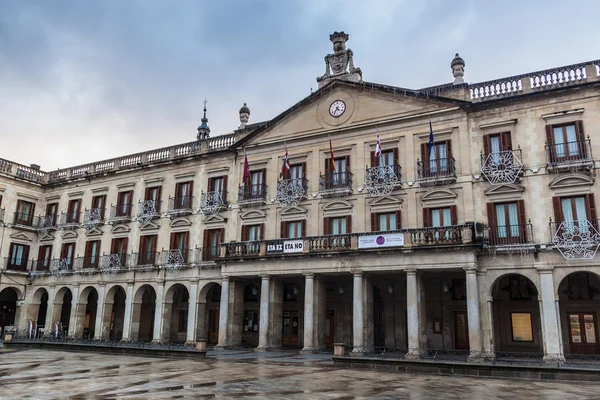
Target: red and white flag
(378, 145)
(246, 176)
(285, 167)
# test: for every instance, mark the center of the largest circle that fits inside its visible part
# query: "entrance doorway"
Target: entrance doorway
(329, 328)
(378, 319)
(8, 307)
(290, 328)
(213, 326)
(583, 333)
(461, 330)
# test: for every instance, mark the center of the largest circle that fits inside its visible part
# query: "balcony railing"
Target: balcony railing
(47, 222)
(24, 219)
(211, 253)
(181, 205)
(329, 243)
(383, 179)
(120, 212)
(575, 155)
(15, 263)
(252, 194)
(145, 258)
(291, 191)
(336, 183)
(41, 265)
(436, 172)
(69, 219)
(243, 249)
(502, 167)
(92, 262)
(508, 236)
(440, 235)
(93, 216)
(213, 202)
(188, 256)
(576, 240)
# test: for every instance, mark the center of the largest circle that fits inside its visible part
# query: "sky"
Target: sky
(82, 81)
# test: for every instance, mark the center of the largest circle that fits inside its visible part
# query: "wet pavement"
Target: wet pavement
(240, 374)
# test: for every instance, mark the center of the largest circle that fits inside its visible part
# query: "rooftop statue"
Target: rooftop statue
(340, 64)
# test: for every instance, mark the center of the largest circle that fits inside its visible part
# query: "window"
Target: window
(577, 210)
(337, 226)
(124, 200)
(252, 232)
(183, 195)
(73, 211)
(389, 221)
(438, 161)
(154, 194)
(522, 331)
(387, 158)
(566, 141)
(251, 321)
(92, 254)
(180, 241)
(44, 258)
(147, 252)
(218, 186)
(24, 215)
(293, 229)
(296, 171)
(67, 253)
(339, 177)
(255, 188)
(212, 239)
(496, 142)
(52, 212)
(507, 221)
(99, 202)
(290, 292)
(17, 256)
(119, 246)
(440, 217)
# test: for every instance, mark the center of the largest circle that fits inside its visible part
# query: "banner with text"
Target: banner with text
(383, 240)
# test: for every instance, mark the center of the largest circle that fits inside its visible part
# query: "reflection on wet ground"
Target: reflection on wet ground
(239, 374)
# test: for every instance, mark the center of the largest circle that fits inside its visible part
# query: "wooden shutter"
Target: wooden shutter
(0, 200)
(221, 235)
(63, 250)
(491, 214)
(550, 142)
(204, 241)
(26, 256)
(398, 219)
(591, 208)
(505, 141)
(349, 224)
(424, 152)
(304, 172)
(88, 250)
(521, 209)
(125, 246)
(374, 222)
(173, 241)
(262, 231)
(303, 228)
(41, 252)
(244, 237)
(448, 149)
(327, 166)
(453, 215)
(557, 205)
(581, 138)
(347, 163)
(283, 231)
(326, 226)
(426, 212)
(487, 144)
(225, 188)
(178, 187)
(373, 161)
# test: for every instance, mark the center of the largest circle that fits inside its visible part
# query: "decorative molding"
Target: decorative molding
(180, 222)
(216, 171)
(21, 236)
(505, 191)
(440, 134)
(151, 181)
(185, 175)
(53, 197)
(385, 203)
(561, 114)
(572, 183)
(68, 235)
(47, 238)
(498, 124)
(294, 213)
(217, 220)
(94, 232)
(337, 208)
(125, 185)
(384, 143)
(342, 151)
(120, 229)
(294, 158)
(439, 197)
(76, 194)
(28, 196)
(100, 189)
(2, 188)
(253, 214)
(150, 226)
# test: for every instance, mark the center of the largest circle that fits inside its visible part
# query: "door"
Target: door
(213, 326)
(583, 333)
(461, 331)
(290, 328)
(329, 328)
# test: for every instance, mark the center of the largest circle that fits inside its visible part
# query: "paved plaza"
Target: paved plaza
(239, 374)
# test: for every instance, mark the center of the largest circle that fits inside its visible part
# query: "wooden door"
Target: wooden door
(329, 328)
(290, 328)
(583, 333)
(461, 330)
(213, 326)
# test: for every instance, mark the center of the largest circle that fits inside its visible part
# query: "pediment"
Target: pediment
(293, 213)
(215, 219)
(47, 238)
(253, 214)
(120, 228)
(180, 222)
(69, 235)
(21, 236)
(504, 191)
(150, 226)
(385, 203)
(439, 197)
(94, 232)
(571, 183)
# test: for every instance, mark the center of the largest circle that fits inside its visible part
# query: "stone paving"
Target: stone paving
(240, 374)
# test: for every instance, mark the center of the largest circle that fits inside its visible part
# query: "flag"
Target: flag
(246, 177)
(378, 145)
(331, 159)
(430, 143)
(285, 167)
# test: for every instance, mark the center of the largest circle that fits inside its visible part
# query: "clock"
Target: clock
(337, 108)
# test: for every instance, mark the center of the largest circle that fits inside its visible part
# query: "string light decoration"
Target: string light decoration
(59, 268)
(146, 211)
(290, 192)
(173, 261)
(576, 240)
(382, 180)
(92, 218)
(211, 203)
(502, 167)
(44, 224)
(110, 264)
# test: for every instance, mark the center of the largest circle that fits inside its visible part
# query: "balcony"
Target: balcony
(25, 220)
(213, 202)
(120, 213)
(383, 180)
(145, 259)
(406, 239)
(441, 171)
(502, 167)
(46, 223)
(509, 238)
(111, 264)
(570, 156)
(93, 217)
(69, 220)
(180, 206)
(336, 184)
(252, 195)
(92, 262)
(41, 265)
(147, 210)
(15, 263)
(172, 260)
(291, 191)
(576, 240)
(211, 253)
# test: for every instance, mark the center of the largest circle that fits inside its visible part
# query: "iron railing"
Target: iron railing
(41, 265)
(145, 258)
(441, 169)
(509, 235)
(291, 191)
(439, 235)
(24, 219)
(385, 175)
(188, 255)
(576, 154)
(211, 253)
(69, 218)
(94, 214)
(336, 181)
(251, 193)
(47, 222)
(212, 202)
(16, 263)
(68, 262)
(181, 204)
(88, 262)
(120, 211)
(150, 207)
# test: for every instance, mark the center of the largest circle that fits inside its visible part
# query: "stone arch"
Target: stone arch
(175, 313)
(36, 311)
(86, 309)
(516, 314)
(143, 315)
(61, 315)
(559, 274)
(579, 309)
(209, 307)
(113, 317)
(8, 306)
(492, 277)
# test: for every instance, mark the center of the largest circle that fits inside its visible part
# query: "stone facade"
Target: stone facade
(442, 242)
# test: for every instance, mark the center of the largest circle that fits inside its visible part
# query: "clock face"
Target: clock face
(337, 108)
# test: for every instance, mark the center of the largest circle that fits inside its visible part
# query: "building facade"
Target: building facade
(455, 217)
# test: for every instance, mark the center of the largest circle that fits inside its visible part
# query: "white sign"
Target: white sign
(293, 246)
(383, 240)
